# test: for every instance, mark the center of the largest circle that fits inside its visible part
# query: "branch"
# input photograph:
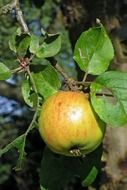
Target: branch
(16, 5)
(72, 84)
(8, 8)
(20, 17)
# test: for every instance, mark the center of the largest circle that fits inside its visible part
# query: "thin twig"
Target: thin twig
(16, 70)
(8, 7)
(69, 81)
(88, 83)
(24, 65)
(20, 18)
(37, 100)
(30, 127)
(84, 78)
(16, 5)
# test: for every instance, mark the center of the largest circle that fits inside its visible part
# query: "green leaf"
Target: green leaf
(112, 110)
(30, 97)
(22, 155)
(22, 44)
(46, 80)
(4, 72)
(19, 31)
(14, 144)
(27, 92)
(18, 143)
(12, 43)
(94, 51)
(57, 171)
(42, 188)
(34, 44)
(91, 177)
(50, 47)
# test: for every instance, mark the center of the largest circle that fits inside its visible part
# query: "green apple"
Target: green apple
(68, 124)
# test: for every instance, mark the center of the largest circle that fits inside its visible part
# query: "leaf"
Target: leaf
(112, 110)
(14, 144)
(19, 43)
(22, 44)
(56, 168)
(94, 51)
(50, 47)
(18, 143)
(4, 72)
(42, 188)
(27, 92)
(21, 148)
(46, 80)
(19, 31)
(12, 43)
(90, 178)
(34, 44)
(22, 154)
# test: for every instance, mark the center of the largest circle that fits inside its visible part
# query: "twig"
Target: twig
(24, 65)
(72, 84)
(30, 127)
(8, 8)
(16, 70)
(16, 5)
(88, 83)
(84, 78)
(37, 100)
(20, 18)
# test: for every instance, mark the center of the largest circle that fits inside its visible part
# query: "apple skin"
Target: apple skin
(68, 124)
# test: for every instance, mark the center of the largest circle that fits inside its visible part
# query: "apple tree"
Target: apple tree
(37, 60)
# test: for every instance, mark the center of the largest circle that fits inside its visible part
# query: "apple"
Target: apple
(68, 124)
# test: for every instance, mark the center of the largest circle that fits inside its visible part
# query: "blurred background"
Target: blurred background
(70, 18)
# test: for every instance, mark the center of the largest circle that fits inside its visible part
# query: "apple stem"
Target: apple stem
(84, 78)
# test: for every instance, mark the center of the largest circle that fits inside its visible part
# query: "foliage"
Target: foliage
(54, 167)
(93, 53)
(90, 51)
(115, 83)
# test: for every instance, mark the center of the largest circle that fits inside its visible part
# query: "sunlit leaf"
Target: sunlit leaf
(34, 43)
(109, 97)
(50, 47)
(17, 143)
(94, 51)
(12, 43)
(27, 92)
(47, 80)
(4, 72)
(22, 44)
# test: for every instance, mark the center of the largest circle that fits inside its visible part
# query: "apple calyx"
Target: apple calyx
(76, 152)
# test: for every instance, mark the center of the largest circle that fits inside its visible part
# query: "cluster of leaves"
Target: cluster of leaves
(93, 53)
